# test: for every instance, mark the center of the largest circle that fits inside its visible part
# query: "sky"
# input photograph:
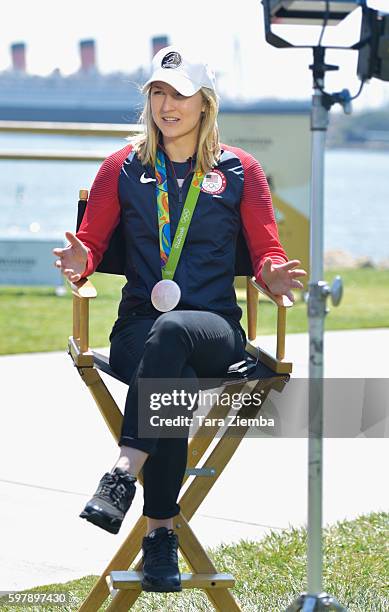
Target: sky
(229, 34)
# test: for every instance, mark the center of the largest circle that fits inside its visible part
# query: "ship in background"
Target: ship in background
(85, 96)
(89, 96)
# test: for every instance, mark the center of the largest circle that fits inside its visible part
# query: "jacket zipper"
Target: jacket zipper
(180, 190)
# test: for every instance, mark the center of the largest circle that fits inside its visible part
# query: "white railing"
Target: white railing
(63, 129)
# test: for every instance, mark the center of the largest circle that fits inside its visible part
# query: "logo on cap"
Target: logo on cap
(171, 60)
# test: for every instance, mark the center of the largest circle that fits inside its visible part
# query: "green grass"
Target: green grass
(33, 319)
(271, 573)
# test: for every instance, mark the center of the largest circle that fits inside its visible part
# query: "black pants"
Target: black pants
(178, 344)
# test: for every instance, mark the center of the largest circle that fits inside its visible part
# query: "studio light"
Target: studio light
(373, 45)
(304, 12)
(373, 61)
(310, 12)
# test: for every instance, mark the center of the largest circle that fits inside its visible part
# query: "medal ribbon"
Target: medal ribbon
(170, 253)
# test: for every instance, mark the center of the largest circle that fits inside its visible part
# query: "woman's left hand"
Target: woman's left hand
(281, 278)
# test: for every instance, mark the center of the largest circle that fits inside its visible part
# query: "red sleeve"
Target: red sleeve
(102, 212)
(257, 214)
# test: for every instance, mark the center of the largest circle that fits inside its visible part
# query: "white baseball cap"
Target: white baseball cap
(187, 75)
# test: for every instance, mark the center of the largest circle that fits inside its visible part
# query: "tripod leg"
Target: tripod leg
(315, 603)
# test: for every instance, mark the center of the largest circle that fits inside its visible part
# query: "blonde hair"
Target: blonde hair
(208, 145)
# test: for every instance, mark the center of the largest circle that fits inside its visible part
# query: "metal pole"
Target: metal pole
(319, 122)
(315, 600)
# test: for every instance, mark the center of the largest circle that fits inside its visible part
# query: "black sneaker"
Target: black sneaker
(160, 562)
(111, 501)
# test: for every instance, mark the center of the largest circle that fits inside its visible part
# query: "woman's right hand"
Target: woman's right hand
(72, 259)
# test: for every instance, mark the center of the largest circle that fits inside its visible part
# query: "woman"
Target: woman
(182, 197)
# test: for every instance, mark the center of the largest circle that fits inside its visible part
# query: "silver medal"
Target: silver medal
(165, 295)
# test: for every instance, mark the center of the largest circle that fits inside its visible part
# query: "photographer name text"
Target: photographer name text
(232, 420)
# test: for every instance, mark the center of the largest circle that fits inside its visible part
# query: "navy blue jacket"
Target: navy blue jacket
(234, 194)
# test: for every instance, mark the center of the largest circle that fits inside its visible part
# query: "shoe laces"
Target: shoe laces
(162, 549)
(111, 487)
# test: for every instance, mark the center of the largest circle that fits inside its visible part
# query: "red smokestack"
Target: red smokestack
(88, 55)
(157, 43)
(18, 53)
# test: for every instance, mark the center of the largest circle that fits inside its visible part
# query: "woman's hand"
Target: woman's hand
(281, 278)
(72, 259)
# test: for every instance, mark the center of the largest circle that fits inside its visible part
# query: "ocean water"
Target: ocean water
(356, 213)
(40, 198)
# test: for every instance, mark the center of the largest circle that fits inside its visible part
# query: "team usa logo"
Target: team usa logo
(171, 60)
(214, 182)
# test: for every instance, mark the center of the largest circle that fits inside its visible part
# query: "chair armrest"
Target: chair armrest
(83, 290)
(280, 300)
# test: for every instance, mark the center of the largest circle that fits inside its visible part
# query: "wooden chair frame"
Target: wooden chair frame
(124, 585)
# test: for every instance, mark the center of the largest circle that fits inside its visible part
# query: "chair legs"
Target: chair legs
(205, 574)
(104, 400)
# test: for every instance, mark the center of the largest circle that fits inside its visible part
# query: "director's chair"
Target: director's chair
(267, 372)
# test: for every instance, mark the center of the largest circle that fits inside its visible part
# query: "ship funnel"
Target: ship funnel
(18, 53)
(157, 43)
(88, 55)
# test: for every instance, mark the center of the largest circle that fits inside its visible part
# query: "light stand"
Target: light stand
(318, 11)
(315, 599)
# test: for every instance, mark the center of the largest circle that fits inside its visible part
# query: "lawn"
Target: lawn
(34, 319)
(271, 573)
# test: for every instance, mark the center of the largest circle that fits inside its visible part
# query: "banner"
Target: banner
(279, 137)
(29, 262)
